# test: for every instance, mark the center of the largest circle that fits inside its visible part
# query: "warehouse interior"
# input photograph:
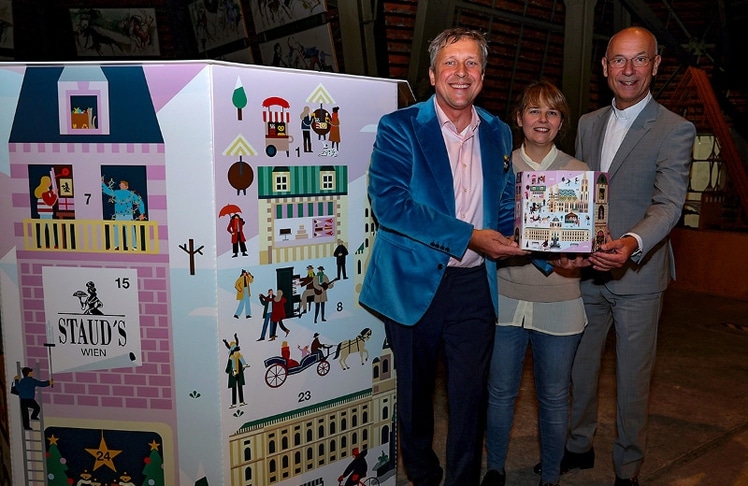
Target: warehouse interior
(699, 430)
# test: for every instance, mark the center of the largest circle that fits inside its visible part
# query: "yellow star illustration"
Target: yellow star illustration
(104, 456)
(154, 445)
(53, 440)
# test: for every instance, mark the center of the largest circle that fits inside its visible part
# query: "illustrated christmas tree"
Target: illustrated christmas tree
(56, 465)
(239, 98)
(153, 470)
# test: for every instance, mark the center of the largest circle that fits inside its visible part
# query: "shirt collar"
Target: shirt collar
(629, 114)
(544, 164)
(444, 121)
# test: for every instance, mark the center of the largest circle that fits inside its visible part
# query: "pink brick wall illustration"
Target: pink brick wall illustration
(148, 386)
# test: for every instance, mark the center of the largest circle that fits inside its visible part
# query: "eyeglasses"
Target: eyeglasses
(638, 61)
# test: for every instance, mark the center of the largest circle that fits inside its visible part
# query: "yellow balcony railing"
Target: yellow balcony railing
(81, 235)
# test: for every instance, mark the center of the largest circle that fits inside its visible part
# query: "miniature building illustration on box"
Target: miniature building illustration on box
(561, 211)
(152, 258)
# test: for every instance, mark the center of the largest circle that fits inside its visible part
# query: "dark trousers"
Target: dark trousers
(237, 389)
(460, 322)
(26, 404)
(274, 328)
(317, 306)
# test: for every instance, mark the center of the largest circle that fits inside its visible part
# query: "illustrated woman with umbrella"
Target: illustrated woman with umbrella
(235, 229)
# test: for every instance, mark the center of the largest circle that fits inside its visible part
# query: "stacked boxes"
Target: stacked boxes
(561, 210)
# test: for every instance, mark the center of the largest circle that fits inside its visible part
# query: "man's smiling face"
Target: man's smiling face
(457, 76)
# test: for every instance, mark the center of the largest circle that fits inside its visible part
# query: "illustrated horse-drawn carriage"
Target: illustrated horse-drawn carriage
(278, 367)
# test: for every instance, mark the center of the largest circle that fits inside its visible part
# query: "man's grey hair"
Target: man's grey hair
(450, 36)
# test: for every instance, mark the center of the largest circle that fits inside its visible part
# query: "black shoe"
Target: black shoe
(494, 478)
(627, 482)
(541, 483)
(572, 460)
(434, 479)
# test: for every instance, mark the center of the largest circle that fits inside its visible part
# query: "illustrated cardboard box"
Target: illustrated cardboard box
(139, 247)
(561, 211)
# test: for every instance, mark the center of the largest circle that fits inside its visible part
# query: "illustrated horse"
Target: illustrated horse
(355, 345)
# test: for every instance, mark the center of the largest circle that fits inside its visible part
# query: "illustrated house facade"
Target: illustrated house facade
(300, 209)
(79, 135)
(285, 446)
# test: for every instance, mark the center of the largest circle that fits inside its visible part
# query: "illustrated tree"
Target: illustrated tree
(153, 470)
(239, 98)
(56, 467)
(191, 251)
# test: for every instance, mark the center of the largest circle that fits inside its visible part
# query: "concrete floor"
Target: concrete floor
(698, 431)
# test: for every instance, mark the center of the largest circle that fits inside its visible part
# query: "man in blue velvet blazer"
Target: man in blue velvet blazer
(442, 192)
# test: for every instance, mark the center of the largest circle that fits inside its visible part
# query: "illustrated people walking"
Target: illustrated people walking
(236, 230)
(646, 150)
(26, 388)
(128, 206)
(235, 369)
(341, 252)
(321, 283)
(306, 128)
(243, 292)
(266, 301)
(356, 470)
(277, 314)
(432, 276)
(539, 305)
(334, 136)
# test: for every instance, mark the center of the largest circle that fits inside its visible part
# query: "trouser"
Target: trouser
(635, 319)
(460, 323)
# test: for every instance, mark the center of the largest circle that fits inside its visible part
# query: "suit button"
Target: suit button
(440, 266)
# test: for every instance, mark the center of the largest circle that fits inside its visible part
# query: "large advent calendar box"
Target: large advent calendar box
(561, 211)
(183, 245)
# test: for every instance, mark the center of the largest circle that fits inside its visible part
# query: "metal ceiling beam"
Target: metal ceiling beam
(664, 37)
(575, 81)
(432, 17)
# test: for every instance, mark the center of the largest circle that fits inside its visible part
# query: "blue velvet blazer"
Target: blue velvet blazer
(411, 194)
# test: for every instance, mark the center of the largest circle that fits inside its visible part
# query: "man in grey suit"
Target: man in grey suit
(646, 150)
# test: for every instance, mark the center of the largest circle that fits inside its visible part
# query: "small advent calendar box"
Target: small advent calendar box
(561, 210)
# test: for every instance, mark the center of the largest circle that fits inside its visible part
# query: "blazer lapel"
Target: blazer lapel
(493, 170)
(429, 137)
(638, 129)
(598, 132)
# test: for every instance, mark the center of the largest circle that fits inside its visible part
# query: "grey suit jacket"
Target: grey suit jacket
(648, 184)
